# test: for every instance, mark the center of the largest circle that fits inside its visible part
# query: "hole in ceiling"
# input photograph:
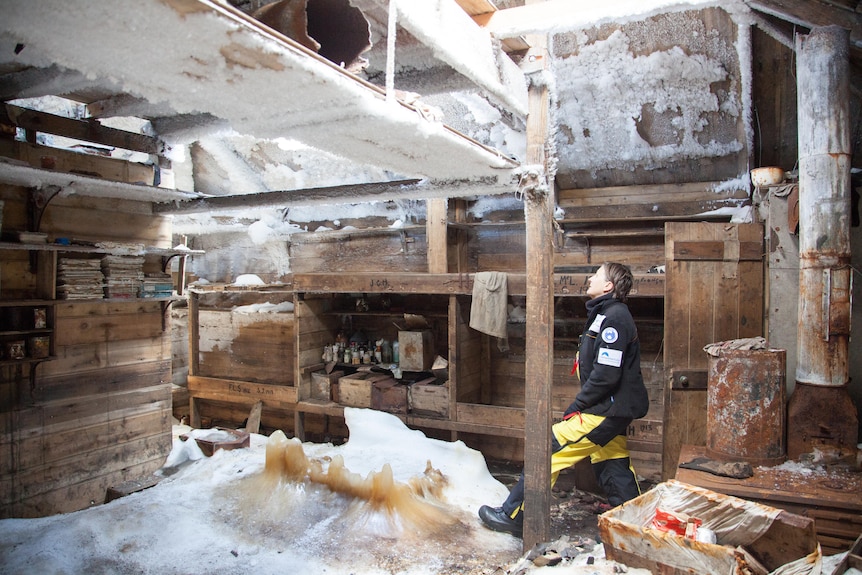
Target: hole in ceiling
(341, 29)
(332, 28)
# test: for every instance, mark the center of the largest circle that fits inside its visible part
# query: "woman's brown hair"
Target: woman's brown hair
(621, 276)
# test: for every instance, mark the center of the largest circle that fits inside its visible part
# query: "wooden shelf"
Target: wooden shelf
(398, 314)
(26, 360)
(96, 250)
(571, 284)
(41, 331)
(26, 302)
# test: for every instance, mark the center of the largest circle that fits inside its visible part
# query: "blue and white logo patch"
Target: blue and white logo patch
(611, 357)
(610, 335)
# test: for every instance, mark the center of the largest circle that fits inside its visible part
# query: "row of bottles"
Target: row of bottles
(358, 353)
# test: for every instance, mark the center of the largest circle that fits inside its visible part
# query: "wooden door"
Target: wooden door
(713, 292)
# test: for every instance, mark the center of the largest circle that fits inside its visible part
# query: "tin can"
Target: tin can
(15, 349)
(39, 346)
(40, 318)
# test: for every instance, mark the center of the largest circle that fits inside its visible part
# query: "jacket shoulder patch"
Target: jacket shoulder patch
(610, 335)
(611, 357)
(596, 326)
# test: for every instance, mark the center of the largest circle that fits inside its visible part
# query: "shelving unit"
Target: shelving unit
(26, 332)
(321, 299)
(22, 342)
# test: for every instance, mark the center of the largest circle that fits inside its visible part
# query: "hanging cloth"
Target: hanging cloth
(489, 312)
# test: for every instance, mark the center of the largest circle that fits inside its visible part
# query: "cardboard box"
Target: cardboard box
(750, 537)
(389, 395)
(416, 350)
(429, 398)
(322, 382)
(355, 390)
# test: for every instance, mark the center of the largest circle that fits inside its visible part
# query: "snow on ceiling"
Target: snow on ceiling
(648, 100)
(207, 60)
(605, 111)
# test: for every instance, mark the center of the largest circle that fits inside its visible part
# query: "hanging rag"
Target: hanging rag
(489, 312)
(747, 343)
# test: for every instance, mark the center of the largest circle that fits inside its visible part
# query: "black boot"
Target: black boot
(495, 518)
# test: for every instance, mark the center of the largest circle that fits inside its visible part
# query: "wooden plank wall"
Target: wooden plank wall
(100, 413)
(246, 346)
(722, 265)
(486, 375)
(238, 340)
(388, 250)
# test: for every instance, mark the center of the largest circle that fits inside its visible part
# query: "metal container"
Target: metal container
(746, 411)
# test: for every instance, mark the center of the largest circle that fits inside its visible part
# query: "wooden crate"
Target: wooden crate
(355, 390)
(416, 350)
(322, 383)
(853, 559)
(389, 395)
(426, 398)
(628, 540)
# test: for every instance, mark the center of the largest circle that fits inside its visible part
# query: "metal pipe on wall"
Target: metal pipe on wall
(824, 245)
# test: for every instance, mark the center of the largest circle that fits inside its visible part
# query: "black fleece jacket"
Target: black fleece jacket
(609, 362)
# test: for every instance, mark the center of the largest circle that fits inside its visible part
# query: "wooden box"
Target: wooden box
(322, 382)
(389, 395)
(355, 390)
(416, 350)
(217, 438)
(630, 537)
(428, 398)
(853, 559)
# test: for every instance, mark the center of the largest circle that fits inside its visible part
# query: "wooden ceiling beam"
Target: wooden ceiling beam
(84, 129)
(414, 189)
(812, 13)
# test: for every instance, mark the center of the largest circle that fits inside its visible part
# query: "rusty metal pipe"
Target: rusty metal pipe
(820, 411)
(824, 206)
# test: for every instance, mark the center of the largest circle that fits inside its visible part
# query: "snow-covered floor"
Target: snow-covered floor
(232, 513)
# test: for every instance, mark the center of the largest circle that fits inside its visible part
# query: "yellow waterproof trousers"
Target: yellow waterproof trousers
(571, 434)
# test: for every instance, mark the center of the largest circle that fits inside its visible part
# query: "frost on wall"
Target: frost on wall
(649, 94)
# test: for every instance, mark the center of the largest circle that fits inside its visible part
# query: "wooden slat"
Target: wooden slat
(81, 129)
(436, 235)
(59, 160)
(80, 468)
(695, 250)
(648, 285)
(47, 448)
(476, 7)
(646, 194)
(811, 14)
(242, 392)
(491, 415)
(78, 330)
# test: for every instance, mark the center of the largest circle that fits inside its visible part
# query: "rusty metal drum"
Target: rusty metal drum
(746, 412)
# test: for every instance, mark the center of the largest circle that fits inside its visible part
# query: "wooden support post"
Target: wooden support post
(253, 423)
(538, 215)
(194, 413)
(194, 334)
(181, 270)
(460, 208)
(435, 231)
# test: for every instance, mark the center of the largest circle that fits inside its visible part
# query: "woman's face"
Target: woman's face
(599, 284)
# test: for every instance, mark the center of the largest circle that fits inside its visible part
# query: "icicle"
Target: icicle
(390, 53)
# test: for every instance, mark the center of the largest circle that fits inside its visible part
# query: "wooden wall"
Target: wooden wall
(99, 413)
(496, 377)
(238, 340)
